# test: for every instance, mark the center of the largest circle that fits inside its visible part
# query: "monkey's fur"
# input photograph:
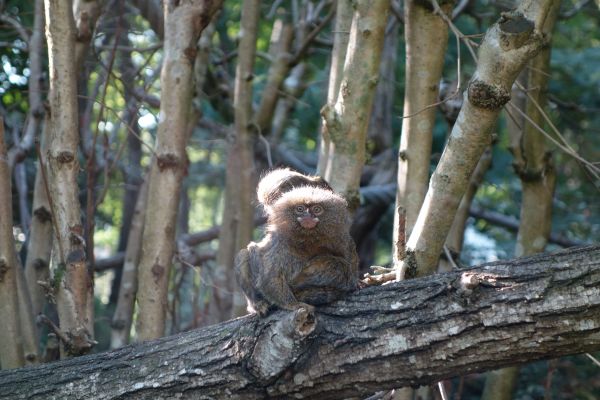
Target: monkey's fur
(281, 180)
(307, 256)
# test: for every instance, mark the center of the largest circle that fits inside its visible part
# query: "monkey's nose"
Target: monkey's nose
(308, 222)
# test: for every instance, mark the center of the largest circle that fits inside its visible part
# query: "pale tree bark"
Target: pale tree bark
(123, 316)
(85, 13)
(507, 46)
(39, 245)
(184, 22)
(426, 36)
(280, 53)
(533, 163)
(11, 345)
(341, 36)
(73, 288)
(347, 120)
(238, 210)
(29, 331)
(377, 338)
(426, 39)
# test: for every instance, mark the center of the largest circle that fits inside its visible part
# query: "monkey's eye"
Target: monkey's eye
(316, 210)
(300, 209)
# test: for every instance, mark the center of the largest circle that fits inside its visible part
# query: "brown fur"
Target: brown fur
(295, 267)
(278, 181)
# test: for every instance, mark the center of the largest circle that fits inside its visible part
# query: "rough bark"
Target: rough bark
(426, 41)
(533, 163)
(389, 336)
(347, 120)
(341, 35)
(123, 316)
(72, 284)
(238, 212)
(184, 22)
(39, 246)
(11, 345)
(507, 46)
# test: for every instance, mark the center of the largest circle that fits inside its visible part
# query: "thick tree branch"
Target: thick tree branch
(408, 333)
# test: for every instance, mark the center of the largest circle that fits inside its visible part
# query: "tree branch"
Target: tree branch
(408, 333)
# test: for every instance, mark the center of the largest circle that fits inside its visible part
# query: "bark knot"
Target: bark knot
(65, 157)
(487, 96)
(3, 268)
(42, 214)
(167, 161)
(157, 271)
(515, 30)
(190, 54)
(39, 264)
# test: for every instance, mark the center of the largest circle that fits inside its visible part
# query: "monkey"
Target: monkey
(281, 180)
(307, 257)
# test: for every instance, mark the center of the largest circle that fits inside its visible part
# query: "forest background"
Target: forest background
(249, 95)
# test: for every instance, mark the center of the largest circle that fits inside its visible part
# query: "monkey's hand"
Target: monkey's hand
(275, 290)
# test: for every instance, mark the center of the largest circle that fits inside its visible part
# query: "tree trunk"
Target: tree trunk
(85, 13)
(533, 164)
(39, 246)
(11, 345)
(507, 46)
(238, 212)
(73, 286)
(184, 21)
(343, 21)
(426, 41)
(123, 316)
(347, 120)
(401, 334)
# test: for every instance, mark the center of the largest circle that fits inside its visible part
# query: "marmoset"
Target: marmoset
(307, 256)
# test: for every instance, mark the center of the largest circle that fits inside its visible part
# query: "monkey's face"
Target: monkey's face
(309, 211)
(307, 215)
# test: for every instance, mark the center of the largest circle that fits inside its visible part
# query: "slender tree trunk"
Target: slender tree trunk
(378, 338)
(85, 13)
(426, 36)
(184, 22)
(238, 212)
(507, 46)
(39, 246)
(343, 21)
(347, 120)
(279, 50)
(533, 164)
(123, 316)
(73, 285)
(11, 345)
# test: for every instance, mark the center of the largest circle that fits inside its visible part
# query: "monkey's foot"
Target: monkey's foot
(384, 275)
(261, 307)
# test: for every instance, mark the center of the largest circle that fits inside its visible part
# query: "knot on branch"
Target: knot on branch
(515, 30)
(167, 161)
(3, 268)
(65, 157)
(281, 343)
(42, 214)
(487, 96)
